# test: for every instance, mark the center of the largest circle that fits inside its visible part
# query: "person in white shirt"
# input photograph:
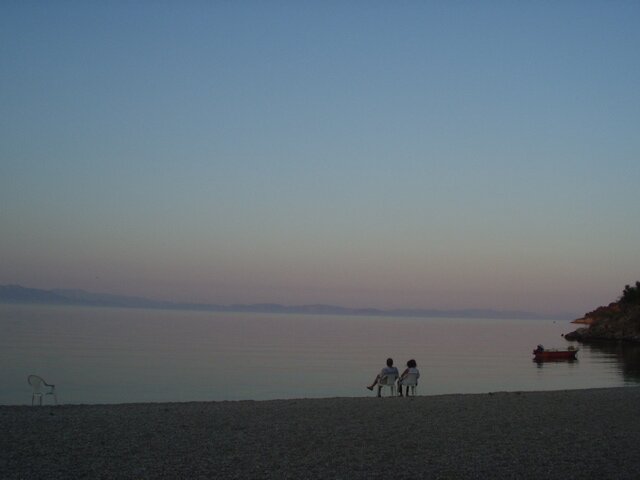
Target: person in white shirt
(388, 370)
(411, 369)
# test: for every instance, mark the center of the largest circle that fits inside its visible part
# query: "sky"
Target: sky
(412, 154)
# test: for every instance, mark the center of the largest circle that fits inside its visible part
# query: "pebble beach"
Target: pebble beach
(560, 434)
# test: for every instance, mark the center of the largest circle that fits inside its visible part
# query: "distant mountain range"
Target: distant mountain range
(24, 295)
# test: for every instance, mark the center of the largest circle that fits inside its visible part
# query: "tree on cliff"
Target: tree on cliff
(631, 294)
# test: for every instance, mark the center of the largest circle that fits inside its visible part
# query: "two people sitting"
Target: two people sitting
(391, 372)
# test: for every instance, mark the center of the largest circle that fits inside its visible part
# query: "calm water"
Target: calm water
(109, 355)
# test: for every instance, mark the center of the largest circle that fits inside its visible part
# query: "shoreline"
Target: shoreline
(555, 434)
(47, 403)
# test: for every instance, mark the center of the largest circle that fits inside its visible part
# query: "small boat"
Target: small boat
(541, 353)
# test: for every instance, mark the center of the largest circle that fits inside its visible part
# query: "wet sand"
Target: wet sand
(564, 434)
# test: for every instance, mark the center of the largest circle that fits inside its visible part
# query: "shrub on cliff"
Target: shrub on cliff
(618, 321)
(631, 294)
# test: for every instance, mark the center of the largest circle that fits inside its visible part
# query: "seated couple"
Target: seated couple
(391, 373)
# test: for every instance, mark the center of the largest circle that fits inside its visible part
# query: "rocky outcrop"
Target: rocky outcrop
(618, 321)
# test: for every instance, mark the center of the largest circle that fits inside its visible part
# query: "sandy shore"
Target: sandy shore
(566, 434)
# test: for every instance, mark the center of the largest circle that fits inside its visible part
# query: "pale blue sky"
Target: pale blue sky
(384, 154)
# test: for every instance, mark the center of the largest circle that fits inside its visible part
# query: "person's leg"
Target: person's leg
(375, 382)
(399, 388)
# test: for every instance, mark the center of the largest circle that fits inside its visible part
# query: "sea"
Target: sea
(116, 355)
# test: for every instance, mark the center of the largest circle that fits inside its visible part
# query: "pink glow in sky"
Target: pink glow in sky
(367, 155)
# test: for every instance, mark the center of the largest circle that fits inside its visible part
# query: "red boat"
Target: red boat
(555, 354)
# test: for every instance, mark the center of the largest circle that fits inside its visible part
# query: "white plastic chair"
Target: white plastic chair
(38, 385)
(411, 381)
(388, 380)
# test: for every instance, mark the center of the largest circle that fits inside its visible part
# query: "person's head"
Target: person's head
(389, 362)
(412, 363)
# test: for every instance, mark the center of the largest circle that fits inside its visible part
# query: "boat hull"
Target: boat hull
(555, 355)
